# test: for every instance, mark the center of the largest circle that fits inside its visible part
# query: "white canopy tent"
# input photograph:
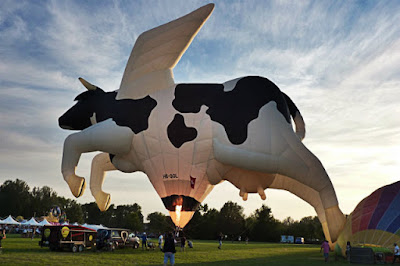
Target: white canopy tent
(44, 222)
(9, 221)
(32, 222)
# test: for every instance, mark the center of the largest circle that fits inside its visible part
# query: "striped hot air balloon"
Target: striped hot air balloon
(375, 221)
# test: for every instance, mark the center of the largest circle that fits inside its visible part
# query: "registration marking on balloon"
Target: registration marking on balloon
(170, 176)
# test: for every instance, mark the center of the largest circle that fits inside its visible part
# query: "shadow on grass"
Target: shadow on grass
(272, 260)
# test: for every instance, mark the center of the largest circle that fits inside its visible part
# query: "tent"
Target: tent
(10, 221)
(32, 222)
(44, 222)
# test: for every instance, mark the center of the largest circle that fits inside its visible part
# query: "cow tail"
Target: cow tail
(297, 118)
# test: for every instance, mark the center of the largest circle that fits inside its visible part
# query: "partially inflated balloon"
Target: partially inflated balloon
(375, 221)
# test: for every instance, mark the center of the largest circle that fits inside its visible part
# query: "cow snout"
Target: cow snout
(63, 124)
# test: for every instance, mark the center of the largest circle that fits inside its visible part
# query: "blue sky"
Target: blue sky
(338, 60)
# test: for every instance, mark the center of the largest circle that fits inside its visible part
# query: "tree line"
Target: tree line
(17, 199)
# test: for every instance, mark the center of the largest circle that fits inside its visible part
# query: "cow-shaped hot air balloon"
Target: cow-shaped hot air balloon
(189, 137)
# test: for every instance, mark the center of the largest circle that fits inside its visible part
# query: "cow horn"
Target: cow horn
(88, 86)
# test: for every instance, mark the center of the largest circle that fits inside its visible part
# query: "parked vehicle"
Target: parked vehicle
(75, 238)
(299, 240)
(112, 238)
(287, 239)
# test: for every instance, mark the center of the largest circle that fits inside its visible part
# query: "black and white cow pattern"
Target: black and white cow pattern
(234, 108)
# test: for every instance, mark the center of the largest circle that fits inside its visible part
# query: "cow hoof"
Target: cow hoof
(103, 200)
(77, 185)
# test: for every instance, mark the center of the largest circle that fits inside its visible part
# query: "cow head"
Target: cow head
(82, 114)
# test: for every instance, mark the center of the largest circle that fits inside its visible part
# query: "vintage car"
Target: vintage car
(72, 237)
(112, 238)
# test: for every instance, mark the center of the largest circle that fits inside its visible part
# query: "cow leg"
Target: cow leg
(307, 194)
(273, 148)
(100, 164)
(105, 136)
(299, 163)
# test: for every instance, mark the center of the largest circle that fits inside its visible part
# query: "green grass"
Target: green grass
(22, 251)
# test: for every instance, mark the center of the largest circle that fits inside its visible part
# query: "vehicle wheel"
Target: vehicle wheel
(80, 248)
(74, 248)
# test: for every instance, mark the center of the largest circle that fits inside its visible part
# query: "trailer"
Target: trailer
(71, 237)
(287, 239)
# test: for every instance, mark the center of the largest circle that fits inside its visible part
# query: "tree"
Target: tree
(134, 222)
(43, 199)
(72, 209)
(15, 198)
(311, 228)
(122, 211)
(158, 222)
(92, 214)
(264, 226)
(288, 221)
(231, 219)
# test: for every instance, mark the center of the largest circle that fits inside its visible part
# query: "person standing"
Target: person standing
(144, 241)
(325, 246)
(160, 241)
(1, 238)
(33, 233)
(396, 252)
(169, 249)
(348, 250)
(183, 243)
(220, 237)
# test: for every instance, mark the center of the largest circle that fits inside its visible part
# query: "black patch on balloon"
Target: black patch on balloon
(187, 203)
(234, 109)
(132, 113)
(179, 133)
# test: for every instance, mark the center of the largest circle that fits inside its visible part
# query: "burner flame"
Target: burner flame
(178, 209)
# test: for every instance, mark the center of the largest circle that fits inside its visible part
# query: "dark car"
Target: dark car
(112, 238)
(71, 237)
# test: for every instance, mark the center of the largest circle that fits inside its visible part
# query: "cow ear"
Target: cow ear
(88, 85)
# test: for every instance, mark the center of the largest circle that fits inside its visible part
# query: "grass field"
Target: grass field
(22, 251)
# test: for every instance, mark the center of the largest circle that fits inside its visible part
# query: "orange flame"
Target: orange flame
(178, 209)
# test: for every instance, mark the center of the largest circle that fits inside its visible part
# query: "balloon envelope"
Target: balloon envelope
(375, 221)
